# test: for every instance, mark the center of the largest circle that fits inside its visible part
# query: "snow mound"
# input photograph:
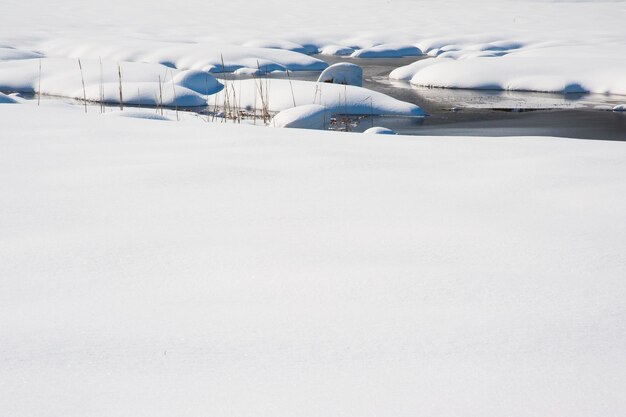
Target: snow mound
(4, 99)
(388, 51)
(342, 73)
(336, 50)
(377, 130)
(620, 108)
(310, 116)
(199, 81)
(280, 94)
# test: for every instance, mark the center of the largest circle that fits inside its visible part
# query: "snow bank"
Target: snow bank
(342, 73)
(377, 130)
(279, 94)
(310, 116)
(388, 51)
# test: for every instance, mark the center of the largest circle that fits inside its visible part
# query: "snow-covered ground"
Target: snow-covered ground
(150, 267)
(162, 268)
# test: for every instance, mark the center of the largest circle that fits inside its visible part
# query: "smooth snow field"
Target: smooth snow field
(214, 250)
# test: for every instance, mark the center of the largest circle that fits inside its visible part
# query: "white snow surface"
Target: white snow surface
(169, 269)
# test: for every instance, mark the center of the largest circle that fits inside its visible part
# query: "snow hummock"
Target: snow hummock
(309, 116)
(553, 70)
(10, 53)
(210, 57)
(337, 50)
(4, 99)
(388, 51)
(342, 73)
(378, 130)
(280, 94)
(620, 108)
(282, 44)
(142, 83)
(199, 81)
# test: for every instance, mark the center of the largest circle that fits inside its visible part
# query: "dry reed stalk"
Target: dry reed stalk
(101, 88)
(208, 106)
(119, 74)
(174, 89)
(82, 78)
(291, 86)
(160, 103)
(39, 85)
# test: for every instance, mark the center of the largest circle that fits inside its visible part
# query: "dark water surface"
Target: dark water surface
(491, 113)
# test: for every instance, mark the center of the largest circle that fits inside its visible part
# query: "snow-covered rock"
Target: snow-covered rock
(342, 73)
(378, 130)
(310, 116)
